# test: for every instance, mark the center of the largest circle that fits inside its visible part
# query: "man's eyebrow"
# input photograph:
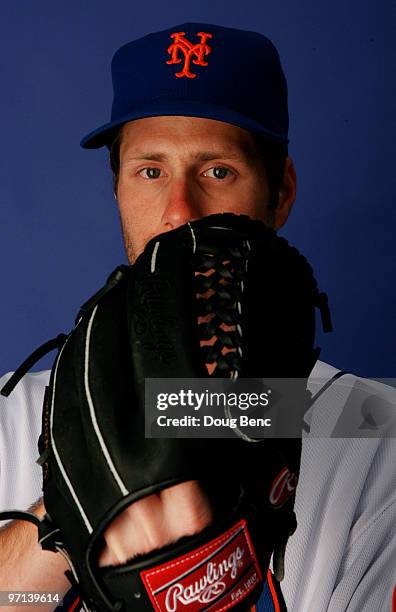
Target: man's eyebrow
(145, 155)
(209, 155)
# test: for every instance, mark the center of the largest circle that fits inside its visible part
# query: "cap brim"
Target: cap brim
(104, 135)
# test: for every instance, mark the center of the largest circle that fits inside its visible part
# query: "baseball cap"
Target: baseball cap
(199, 70)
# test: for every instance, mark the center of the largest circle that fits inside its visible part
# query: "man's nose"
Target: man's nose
(182, 204)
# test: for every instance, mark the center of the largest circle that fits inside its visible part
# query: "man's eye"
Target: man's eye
(218, 172)
(150, 173)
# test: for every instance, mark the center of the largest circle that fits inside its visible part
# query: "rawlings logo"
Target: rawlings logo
(208, 587)
(150, 320)
(212, 577)
(189, 50)
(282, 487)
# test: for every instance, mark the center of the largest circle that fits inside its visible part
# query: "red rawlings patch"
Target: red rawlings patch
(215, 576)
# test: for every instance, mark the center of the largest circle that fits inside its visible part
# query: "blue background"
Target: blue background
(60, 232)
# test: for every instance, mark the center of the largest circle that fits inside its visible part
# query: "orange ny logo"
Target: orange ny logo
(189, 50)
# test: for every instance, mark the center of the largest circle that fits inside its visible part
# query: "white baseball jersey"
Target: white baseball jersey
(342, 557)
(343, 554)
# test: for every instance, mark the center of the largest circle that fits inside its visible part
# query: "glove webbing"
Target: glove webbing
(219, 283)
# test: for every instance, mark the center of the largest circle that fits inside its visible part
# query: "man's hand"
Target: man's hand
(155, 521)
(150, 523)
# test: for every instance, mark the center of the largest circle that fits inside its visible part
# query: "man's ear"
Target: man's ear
(287, 194)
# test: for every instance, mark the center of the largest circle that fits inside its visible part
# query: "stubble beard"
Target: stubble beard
(128, 243)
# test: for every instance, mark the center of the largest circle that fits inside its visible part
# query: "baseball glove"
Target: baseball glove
(221, 297)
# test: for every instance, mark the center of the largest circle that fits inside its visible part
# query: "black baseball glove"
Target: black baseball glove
(222, 297)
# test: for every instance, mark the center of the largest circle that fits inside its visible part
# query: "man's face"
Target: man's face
(178, 169)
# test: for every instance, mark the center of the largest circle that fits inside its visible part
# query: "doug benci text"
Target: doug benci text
(210, 421)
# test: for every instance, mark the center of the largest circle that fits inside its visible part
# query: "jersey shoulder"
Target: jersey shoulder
(346, 406)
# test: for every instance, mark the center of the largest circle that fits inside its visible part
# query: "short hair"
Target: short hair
(272, 153)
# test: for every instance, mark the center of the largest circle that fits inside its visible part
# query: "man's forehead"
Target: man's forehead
(204, 138)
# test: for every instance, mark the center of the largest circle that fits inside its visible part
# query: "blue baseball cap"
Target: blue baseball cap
(199, 70)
